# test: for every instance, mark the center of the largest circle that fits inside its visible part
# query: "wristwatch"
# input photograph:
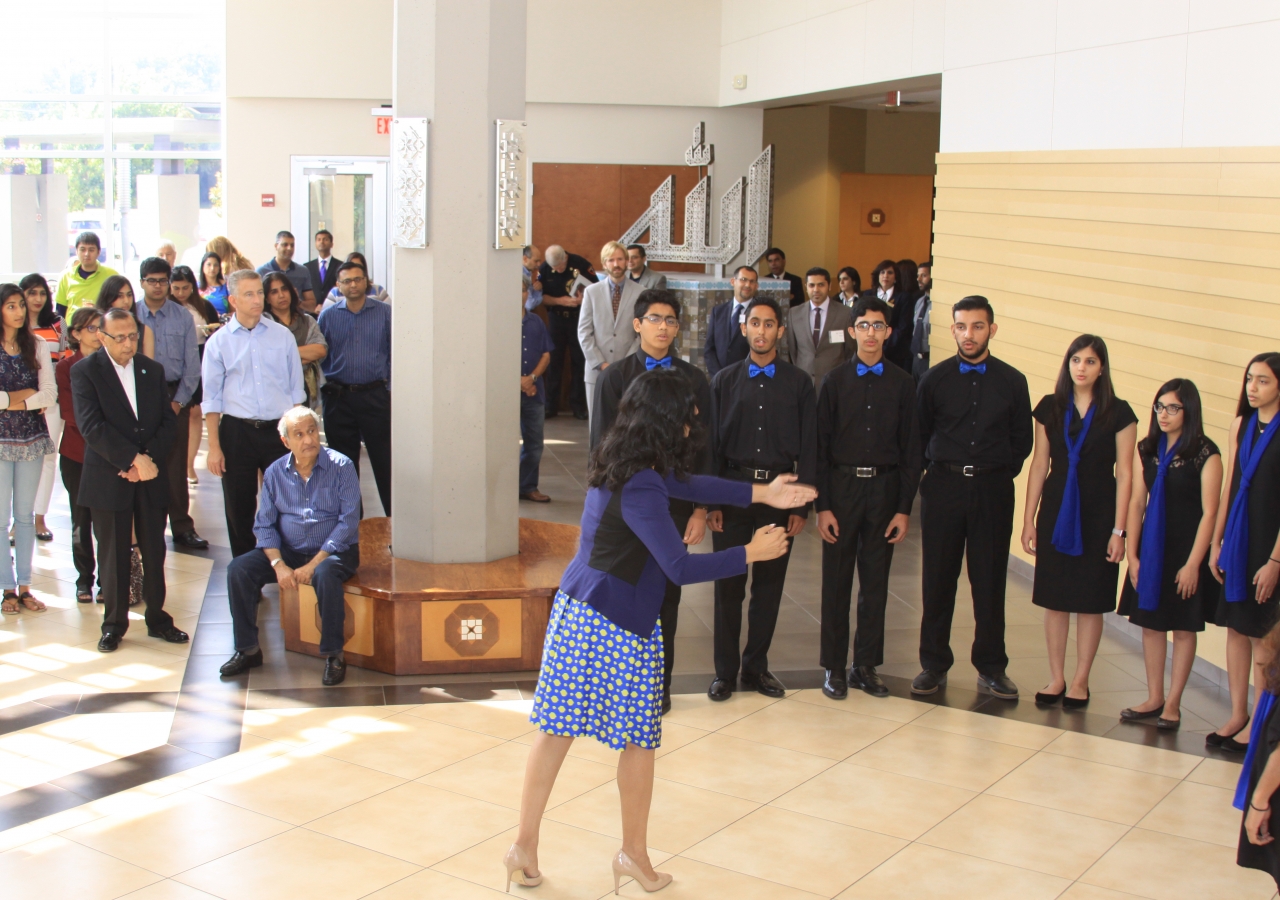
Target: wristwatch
(276, 562)
(1119, 532)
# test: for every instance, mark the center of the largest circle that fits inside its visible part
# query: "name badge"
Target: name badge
(836, 337)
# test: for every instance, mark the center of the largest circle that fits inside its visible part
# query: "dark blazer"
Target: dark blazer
(113, 436)
(322, 289)
(898, 348)
(726, 343)
(798, 294)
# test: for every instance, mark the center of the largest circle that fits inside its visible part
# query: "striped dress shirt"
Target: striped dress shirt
(252, 373)
(319, 513)
(359, 343)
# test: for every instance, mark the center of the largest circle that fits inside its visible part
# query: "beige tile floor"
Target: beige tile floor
(797, 798)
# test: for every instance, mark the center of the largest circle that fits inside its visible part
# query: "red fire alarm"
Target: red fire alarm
(384, 124)
(268, 199)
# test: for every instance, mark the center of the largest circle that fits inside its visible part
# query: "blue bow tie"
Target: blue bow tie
(650, 363)
(877, 369)
(980, 368)
(753, 370)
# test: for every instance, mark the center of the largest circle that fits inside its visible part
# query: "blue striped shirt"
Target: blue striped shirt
(320, 513)
(252, 373)
(176, 351)
(359, 343)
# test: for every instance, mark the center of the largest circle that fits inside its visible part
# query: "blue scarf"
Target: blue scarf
(1151, 570)
(1261, 712)
(1234, 558)
(1066, 531)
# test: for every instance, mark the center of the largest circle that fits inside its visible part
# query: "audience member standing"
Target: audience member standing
(117, 293)
(213, 286)
(975, 427)
(638, 269)
(176, 352)
(886, 286)
(868, 471)
(79, 286)
(532, 261)
(123, 410)
(357, 371)
(725, 342)
(373, 291)
(1171, 518)
(850, 283)
(232, 259)
(557, 275)
(167, 251)
(252, 376)
(535, 356)
(86, 339)
(26, 388)
(920, 322)
(284, 306)
(185, 290)
(283, 262)
(776, 260)
(48, 326)
(817, 330)
(762, 426)
(604, 324)
(1080, 481)
(323, 270)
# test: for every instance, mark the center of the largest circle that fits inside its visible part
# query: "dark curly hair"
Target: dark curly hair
(25, 339)
(650, 432)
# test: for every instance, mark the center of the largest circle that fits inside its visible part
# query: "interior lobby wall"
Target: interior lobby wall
(903, 143)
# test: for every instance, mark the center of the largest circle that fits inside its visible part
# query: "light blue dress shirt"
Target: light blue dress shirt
(252, 373)
(176, 351)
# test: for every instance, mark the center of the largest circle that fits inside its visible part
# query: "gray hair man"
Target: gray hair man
(563, 303)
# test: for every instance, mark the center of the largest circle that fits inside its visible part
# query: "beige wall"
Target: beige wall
(1172, 256)
(902, 143)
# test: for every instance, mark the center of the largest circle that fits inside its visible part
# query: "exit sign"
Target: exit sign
(384, 124)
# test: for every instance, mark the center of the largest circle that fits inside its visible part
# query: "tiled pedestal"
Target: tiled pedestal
(699, 293)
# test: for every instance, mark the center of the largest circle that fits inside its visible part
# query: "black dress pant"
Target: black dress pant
(562, 322)
(354, 416)
(114, 530)
(965, 519)
(767, 578)
(863, 508)
(175, 470)
(249, 448)
(669, 615)
(81, 524)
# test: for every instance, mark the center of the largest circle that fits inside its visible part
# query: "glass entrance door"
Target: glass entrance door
(348, 197)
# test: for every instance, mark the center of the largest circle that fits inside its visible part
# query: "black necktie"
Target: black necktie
(817, 326)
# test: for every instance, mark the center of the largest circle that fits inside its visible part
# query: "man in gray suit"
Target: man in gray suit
(817, 330)
(604, 327)
(638, 269)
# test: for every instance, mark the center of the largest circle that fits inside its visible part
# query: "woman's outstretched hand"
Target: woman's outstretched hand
(784, 492)
(768, 543)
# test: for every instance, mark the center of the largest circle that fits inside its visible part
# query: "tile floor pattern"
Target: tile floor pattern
(754, 798)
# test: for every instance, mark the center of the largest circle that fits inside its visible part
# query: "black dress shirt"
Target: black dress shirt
(556, 284)
(763, 422)
(868, 420)
(975, 419)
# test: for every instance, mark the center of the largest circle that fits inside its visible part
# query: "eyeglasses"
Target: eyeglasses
(130, 338)
(157, 282)
(347, 282)
(1172, 409)
(92, 329)
(864, 327)
(671, 321)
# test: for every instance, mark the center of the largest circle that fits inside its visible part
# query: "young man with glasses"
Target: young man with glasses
(868, 470)
(657, 321)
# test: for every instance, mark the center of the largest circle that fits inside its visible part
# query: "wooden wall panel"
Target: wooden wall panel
(909, 201)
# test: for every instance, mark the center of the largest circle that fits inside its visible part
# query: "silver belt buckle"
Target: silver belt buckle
(968, 472)
(760, 474)
(865, 471)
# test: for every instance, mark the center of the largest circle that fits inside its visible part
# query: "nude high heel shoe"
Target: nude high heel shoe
(623, 865)
(515, 861)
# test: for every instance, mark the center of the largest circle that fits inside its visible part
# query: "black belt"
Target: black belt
(760, 475)
(254, 423)
(563, 310)
(970, 471)
(865, 471)
(337, 387)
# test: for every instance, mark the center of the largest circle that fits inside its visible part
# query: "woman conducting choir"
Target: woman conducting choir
(602, 660)
(1171, 518)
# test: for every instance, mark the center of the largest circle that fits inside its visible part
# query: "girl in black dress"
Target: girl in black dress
(1171, 519)
(1245, 550)
(1259, 787)
(1080, 478)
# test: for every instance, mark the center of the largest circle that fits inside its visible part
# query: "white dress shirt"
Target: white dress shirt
(886, 296)
(125, 374)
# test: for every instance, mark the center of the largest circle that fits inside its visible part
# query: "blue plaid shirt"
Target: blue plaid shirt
(321, 513)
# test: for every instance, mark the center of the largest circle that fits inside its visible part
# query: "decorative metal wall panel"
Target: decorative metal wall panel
(409, 153)
(759, 231)
(511, 171)
(700, 153)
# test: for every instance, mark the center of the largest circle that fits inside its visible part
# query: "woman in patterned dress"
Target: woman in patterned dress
(601, 671)
(47, 325)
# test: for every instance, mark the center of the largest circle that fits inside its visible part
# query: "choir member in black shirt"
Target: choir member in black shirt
(657, 321)
(762, 425)
(868, 470)
(975, 427)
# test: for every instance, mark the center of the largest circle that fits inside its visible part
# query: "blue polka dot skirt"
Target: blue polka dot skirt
(598, 679)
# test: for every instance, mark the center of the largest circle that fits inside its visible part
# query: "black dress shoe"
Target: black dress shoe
(1213, 739)
(171, 634)
(763, 683)
(720, 689)
(190, 539)
(335, 670)
(1076, 702)
(666, 703)
(109, 643)
(835, 686)
(1231, 745)
(928, 682)
(866, 679)
(1000, 685)
(240, 663)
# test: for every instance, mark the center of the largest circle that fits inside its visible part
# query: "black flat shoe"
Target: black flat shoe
(1074, 703)
(44, 536)
(1213, 739)
(1168, 724)
(1133, 715)
(240, 663)
(834, 685)
(171, 634)
(1230, 745)
(1000, 685)
(335, 670)
(764, 683)
(865, 679)
(720, 689)
(928, 682)
(1043, 699)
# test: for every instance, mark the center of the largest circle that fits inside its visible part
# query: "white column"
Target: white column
(456, 343)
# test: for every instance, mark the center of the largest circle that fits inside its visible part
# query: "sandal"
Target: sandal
(84, 596)
(31, 602)
(10, 606)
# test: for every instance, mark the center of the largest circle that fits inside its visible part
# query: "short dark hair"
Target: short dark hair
(88, 237)
(353, 267)
(872, 303)
(975, 301)
(818, 270)
(650, 296)
(154, 265)
(751, 269)
(83, 316)
(284, 234)
(317, 234)
(928, 264)
(639, 247)
(884, 264)
(769, 302)
(774, 251)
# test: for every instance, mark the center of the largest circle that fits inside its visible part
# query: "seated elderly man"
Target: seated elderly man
(308, 532)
